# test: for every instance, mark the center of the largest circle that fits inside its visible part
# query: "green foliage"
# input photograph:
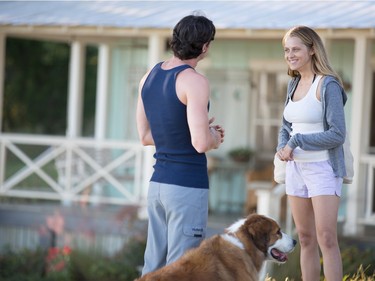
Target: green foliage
(90, 91)
(22, 266)
(241, 154)
(358, 264)
(83, 266)
(362, 274)
(354, 258)
(89, 266)
(36, 80)
(122, 267)
(36, 87)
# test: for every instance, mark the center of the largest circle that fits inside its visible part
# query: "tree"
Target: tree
(36, 87)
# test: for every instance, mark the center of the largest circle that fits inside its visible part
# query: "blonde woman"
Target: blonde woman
(310, 140)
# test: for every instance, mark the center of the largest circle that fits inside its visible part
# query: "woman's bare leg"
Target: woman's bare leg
(304, 219)
(326, 212)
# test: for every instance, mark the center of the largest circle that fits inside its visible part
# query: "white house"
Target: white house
(248, 82)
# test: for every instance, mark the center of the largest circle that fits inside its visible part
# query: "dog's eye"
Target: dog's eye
(279, 232)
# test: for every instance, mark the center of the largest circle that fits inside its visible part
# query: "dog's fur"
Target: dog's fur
(238, 254)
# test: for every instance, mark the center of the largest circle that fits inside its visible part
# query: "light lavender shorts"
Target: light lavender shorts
(310, 179)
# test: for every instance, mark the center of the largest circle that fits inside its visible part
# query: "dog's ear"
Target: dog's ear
(259, 228)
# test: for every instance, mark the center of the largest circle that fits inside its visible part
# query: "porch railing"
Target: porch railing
(80, 169)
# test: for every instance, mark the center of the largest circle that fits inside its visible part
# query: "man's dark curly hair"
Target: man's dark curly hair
(189, 36)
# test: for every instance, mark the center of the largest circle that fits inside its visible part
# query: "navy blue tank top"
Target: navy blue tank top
(177, 161)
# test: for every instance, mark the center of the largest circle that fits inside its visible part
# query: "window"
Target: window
(271, 87)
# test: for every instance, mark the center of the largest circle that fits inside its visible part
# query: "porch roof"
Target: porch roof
(277, 15)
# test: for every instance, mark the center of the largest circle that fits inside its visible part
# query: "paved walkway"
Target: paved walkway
(115, 221)
(219, 221)
(45, 222)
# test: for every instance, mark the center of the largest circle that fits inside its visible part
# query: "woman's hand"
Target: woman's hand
(285, 154)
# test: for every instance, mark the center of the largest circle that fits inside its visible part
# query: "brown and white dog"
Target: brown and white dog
(236, 255)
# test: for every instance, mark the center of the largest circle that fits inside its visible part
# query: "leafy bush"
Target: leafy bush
(26, 265)
(21, 266)
(29, 265)
(87, 266)
(241, 154)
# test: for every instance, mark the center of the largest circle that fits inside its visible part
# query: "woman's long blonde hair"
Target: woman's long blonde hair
(311, 40)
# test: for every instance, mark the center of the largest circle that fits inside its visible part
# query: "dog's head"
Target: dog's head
(265, 234)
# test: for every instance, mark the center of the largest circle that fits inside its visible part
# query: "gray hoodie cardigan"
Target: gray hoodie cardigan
(333, 99)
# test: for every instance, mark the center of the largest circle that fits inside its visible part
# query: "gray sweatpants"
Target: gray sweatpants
(177, 222)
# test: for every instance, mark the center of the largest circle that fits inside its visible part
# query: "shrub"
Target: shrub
(86, 266)
(79, 265)
(21, 266)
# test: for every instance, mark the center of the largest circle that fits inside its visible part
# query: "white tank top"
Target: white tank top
(306, 116)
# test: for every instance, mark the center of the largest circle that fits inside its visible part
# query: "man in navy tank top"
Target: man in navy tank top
(172, 115)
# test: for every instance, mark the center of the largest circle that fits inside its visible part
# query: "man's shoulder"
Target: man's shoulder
(191, 75)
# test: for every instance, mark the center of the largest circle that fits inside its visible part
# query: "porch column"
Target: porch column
(155, 49)
(102, 92)
(74, 114)
(75, 95)
(101, 110)
(356, 191)
(2, 67)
